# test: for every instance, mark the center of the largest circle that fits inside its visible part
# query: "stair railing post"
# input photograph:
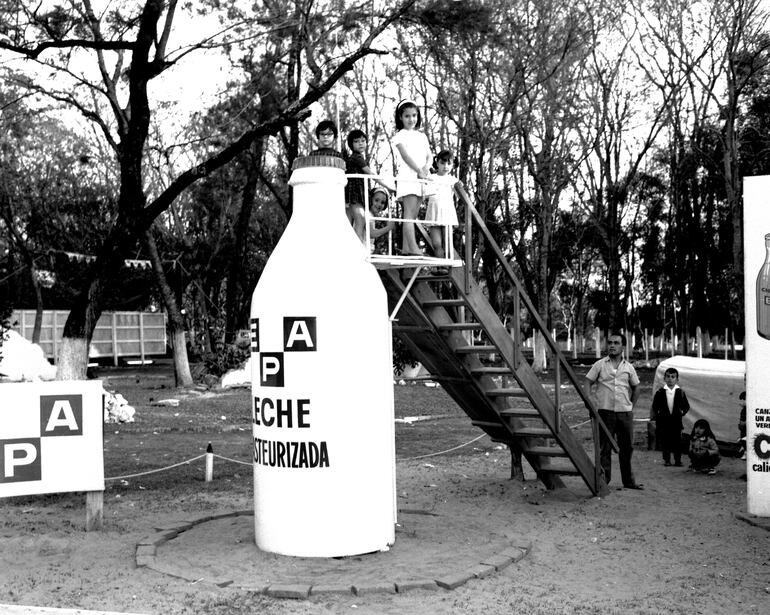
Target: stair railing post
(597, 452)
(516, 330)
(557, 395)
(468, 248)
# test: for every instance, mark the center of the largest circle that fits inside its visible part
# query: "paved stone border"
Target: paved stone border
(147, 548)
(763, 522)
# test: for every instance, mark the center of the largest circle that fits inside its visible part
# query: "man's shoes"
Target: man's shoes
(634, 486)
(678, 464)
(667, 463)
(711, 471)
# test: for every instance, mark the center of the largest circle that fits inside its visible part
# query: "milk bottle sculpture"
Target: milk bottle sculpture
(322, 408)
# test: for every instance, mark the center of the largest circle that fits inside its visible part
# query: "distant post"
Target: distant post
(597, 346)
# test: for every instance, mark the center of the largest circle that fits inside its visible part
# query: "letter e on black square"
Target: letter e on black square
(254, 334)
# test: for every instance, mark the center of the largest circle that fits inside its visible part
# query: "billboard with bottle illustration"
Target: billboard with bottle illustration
(756, 244)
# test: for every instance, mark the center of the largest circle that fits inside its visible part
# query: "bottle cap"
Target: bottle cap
(319, 160)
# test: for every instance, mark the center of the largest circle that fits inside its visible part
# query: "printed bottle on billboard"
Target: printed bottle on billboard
(763, 294)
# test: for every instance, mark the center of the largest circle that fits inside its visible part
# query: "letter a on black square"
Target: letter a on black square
(299, 334)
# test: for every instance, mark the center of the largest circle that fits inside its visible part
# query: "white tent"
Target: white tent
(713, 387)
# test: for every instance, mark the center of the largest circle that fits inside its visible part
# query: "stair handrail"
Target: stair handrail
(471, 213)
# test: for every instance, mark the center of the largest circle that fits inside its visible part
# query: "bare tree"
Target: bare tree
(129, 53)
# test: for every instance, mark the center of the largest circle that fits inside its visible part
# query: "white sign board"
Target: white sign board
(756, 246)
(51, 437)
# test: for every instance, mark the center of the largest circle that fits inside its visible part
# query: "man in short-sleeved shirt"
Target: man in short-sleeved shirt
(616, 387)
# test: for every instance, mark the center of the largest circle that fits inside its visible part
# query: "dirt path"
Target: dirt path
(675, 547)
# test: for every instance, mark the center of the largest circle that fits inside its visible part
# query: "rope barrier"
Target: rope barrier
(449, 450)
(181, 463)
(245, 463)
(249, 463)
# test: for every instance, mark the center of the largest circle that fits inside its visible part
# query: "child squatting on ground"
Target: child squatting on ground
(669, 405)
(412, 164)
(441, 205)
(704, 452)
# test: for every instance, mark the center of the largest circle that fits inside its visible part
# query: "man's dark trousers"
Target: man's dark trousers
(621, 425)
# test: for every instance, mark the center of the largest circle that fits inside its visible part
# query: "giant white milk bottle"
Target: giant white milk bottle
(322, 384)
(763, 294)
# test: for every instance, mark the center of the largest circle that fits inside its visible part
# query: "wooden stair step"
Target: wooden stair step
(460, 326)
(525, 413)
(491, 370)
(546, 451)
(487, 424)
(506, 392)
(540, 432)
(443, 303)
(563, 470)
(472, 349)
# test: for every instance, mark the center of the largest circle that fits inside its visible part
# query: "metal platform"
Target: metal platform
(397, 261)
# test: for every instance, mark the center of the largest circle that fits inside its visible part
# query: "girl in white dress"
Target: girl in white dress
(441, 204)
(412, 163)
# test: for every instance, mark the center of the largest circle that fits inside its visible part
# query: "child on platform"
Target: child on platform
(441, 204)
(326, 134)
(355, 190)
(412, 164)
(357, 164)
(669, 405)
(378, 204)
(704, 452)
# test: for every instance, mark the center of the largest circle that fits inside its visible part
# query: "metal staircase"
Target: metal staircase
(450, 326)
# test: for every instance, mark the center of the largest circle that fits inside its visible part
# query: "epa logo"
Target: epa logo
(21, 458)
(299, 335)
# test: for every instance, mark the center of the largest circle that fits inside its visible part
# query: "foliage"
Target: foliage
(230, 357)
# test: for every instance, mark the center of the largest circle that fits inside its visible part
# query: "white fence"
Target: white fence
(117, 334)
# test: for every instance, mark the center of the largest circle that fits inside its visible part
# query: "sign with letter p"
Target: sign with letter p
(271, 369)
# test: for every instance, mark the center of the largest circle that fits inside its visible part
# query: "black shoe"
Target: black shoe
(667, 463)
(678, 464)
(634, 486)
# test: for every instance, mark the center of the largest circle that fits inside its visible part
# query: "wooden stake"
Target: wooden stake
(94, 510)
(209, 463)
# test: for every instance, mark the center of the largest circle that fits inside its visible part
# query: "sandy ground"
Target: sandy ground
(676, 547)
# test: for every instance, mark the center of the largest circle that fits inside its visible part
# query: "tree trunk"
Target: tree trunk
(539, 362)
(235, 292)
(38, 306)
(175, 320)
(72, 359)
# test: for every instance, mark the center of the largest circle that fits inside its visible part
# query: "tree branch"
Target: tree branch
(295, 112)
(34, 52)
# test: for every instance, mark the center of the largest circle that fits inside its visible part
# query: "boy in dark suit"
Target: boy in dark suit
(669, 405)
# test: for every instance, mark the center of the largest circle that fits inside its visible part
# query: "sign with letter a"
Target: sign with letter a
(51, 437)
